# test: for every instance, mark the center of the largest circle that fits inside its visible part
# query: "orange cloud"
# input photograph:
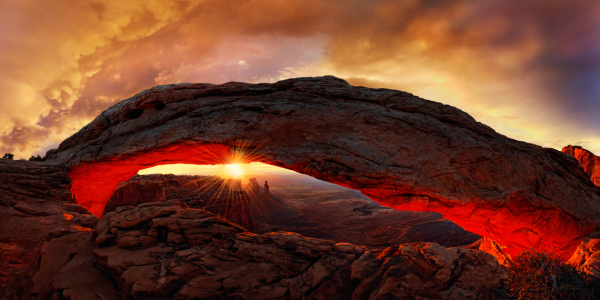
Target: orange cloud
(510, 64)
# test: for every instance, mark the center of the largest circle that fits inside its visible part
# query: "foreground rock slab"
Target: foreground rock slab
(35, 206)
(400, 150)
(67, 271)
(163, 250)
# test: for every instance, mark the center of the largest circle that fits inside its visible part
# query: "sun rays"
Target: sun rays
(235, 171)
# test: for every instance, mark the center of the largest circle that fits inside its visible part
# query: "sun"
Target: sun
(234, 170)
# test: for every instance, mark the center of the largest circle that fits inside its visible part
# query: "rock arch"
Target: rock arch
(400, 150)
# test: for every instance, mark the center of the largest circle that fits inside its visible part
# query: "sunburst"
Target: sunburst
(235, 171)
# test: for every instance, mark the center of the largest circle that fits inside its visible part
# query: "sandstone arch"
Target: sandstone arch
(398, 149)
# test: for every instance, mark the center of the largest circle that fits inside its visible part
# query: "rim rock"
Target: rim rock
(587, 159)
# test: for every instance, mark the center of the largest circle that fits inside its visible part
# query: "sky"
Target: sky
(529, 69)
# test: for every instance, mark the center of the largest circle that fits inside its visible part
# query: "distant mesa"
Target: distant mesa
(225, 197)
(231, 198)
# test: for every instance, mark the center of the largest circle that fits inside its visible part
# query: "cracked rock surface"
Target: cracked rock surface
(35, 206)
(164, 250)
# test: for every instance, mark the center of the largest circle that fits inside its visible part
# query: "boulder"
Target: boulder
(400, 150)
(587, 257)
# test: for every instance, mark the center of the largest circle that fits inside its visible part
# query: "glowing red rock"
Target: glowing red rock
(587, 159)
(400, 150)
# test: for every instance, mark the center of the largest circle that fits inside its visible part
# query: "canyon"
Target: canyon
(61, 238)
(295, 203)
(212, 193)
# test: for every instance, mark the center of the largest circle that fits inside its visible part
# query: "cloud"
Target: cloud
(528, 69)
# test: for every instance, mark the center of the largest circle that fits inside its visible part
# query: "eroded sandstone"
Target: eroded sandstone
(400, 150)
(587, 159)
(165, 250)
(35, 206)
(587, 257)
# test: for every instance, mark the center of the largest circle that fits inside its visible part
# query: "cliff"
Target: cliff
(587, 159)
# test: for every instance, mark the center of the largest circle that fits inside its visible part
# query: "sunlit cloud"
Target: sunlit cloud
(528, 69)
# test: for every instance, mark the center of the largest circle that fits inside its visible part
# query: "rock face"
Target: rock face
(35, 206)
(587, 159)
(587, 257)
(400, 150)
(163, 250)
(67, 271)
(211, 193)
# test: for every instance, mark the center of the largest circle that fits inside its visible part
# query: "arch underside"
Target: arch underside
(401, 151)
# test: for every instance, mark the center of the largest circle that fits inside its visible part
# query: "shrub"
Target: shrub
(536, 275)
(8, 156)
(33, 158)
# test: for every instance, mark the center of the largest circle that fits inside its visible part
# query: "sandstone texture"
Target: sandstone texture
(67, 271)
(35, 206)
(400, 150)
(587, 256)
(163, 250)
(587, 159)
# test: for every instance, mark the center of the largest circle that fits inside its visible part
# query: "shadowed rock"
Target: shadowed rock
(400, 150)
(35, 206)
(211, 193)
(164, 250)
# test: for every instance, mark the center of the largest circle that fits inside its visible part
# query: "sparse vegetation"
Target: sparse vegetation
(541, 275)
(8, 156)
(33, 158)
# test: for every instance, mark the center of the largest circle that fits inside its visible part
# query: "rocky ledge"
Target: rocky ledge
(35, 206)
(164, 250)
